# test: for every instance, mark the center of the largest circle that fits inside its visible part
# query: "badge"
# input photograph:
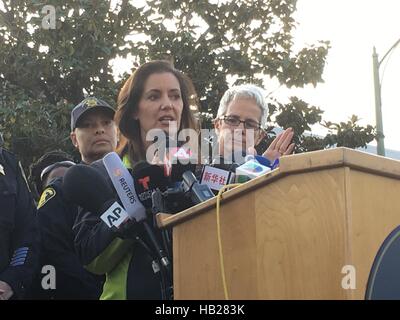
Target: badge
(91, 102)
(47, 194)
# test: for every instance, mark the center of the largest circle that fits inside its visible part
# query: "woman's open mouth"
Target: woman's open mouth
(166, 120)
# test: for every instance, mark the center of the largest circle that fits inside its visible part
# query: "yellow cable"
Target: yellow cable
(221, 257)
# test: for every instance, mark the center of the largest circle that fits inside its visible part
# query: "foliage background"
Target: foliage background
(45, 72)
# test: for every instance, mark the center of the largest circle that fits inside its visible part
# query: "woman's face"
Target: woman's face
(161, 104)
(236, 138)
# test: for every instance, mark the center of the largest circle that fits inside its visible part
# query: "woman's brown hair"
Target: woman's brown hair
(128, 101)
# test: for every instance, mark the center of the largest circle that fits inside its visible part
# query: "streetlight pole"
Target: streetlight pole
(378, 105)
(378, 101)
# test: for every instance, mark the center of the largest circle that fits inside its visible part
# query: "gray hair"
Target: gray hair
(244, 91)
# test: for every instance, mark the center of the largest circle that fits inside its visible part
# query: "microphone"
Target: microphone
(86, 187)
(177, 160)
(221, 171)
(198, 192)
(243, 168)
(124, 185)
(150, 184)
(181, 195)
(148, 178)
(250, 169)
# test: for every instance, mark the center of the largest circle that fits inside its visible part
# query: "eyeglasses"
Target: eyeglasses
(235, 122)
(53, 166)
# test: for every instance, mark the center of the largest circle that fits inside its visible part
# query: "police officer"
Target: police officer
(49, 166)
(94, 134)
(19, 237)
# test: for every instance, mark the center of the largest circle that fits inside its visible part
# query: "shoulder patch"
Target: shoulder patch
(47, 194)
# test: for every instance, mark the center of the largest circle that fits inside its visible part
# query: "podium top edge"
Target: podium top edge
(299, 163)
(339, 157)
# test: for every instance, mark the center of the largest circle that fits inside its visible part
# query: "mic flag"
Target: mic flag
(216, 178)
(115, 215)
(250, 170)
(123, 183)
(148, 178)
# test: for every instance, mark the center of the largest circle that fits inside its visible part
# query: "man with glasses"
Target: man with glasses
(241, 115)
(94, 134)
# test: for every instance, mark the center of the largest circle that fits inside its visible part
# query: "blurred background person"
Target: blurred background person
(51, 165)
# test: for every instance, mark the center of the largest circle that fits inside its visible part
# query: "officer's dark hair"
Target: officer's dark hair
(44, 161)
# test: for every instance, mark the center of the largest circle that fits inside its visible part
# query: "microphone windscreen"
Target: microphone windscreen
(148, 178)
(86, 187)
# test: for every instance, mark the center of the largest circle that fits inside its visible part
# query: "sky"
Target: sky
(353, 27)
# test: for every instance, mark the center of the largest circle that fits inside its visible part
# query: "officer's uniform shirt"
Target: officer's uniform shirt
(56, 218)
(19, 237)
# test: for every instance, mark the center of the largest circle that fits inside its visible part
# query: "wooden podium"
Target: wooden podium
(288, 234)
